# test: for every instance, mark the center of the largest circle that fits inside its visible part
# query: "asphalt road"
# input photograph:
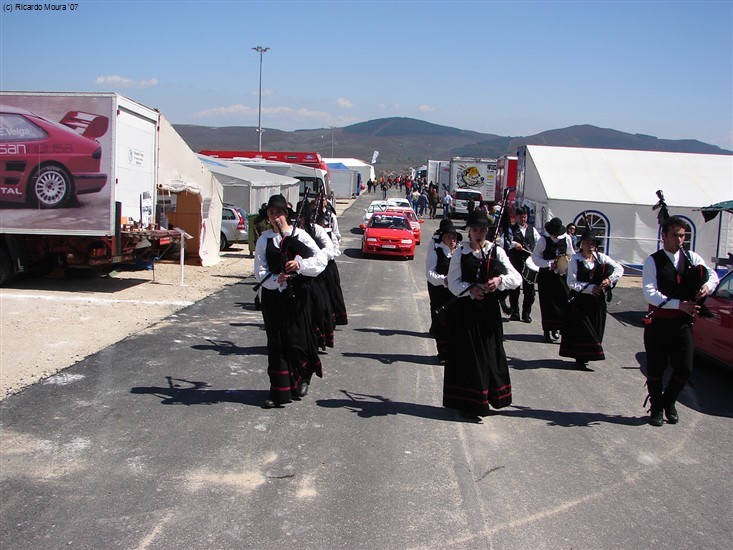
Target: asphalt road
(159, 441)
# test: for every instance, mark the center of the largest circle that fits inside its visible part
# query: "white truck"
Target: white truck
(476, 174)
(439, 174)
(78, 180)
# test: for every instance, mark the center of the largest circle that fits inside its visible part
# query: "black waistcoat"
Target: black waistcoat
(443, 263)
(554, 249)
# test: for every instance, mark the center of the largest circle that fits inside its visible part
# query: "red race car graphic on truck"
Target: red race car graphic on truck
(44, 163)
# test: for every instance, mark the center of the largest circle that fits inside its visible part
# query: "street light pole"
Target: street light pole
(260, 50)
(332, 129)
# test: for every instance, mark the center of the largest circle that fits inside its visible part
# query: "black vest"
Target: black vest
(554, 249)
(594, 276)
(474, 269)
(291, 247)
(443, 263)
(682, 284)
(527, 241)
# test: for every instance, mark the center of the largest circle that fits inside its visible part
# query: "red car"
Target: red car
(713, 333)
(388, 234)
(47, 163)
(412, 218)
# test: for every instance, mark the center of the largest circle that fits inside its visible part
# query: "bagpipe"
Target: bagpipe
(690, 280)
(489, 266)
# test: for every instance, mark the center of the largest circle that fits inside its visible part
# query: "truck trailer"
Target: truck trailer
(476, 174)
(77, 181)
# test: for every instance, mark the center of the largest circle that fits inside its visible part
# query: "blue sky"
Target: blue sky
(507, 68)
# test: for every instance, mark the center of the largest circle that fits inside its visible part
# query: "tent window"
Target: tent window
(690, 234)
(599, 225)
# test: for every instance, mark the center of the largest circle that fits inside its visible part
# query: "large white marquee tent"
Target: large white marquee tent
(617, 190)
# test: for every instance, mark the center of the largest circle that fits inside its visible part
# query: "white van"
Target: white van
(460, 202)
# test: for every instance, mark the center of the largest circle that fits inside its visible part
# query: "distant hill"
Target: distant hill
(408, 143)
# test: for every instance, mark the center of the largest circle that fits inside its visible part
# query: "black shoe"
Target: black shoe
(526, 318)
(302, 389)
(548, 339)
(655, 418)
(582, 365)
(471, 417)
(270, 404)
(555, 335)
(671, 413)
(514, 317)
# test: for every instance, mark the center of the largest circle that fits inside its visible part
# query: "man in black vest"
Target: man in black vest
(519, 243)
(673, 280)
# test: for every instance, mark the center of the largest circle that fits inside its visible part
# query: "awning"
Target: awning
(710, 212)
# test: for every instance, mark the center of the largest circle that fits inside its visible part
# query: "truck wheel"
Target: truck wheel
(223, 244)
(7, 273)
(51, 186)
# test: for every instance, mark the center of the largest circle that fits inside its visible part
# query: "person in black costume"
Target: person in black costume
(476, 370)
(520, 240)
(445, 240)
(591, 275)
(673, 281)
(286, 260)
(552, 250)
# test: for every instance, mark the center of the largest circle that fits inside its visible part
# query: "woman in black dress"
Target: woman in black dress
(476, 370)
(445, 240)
(286, 260)
(591, 275)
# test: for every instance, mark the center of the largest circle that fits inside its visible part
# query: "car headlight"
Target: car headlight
(406, 241)
(371, 239)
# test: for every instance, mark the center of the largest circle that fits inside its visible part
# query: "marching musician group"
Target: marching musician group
(468, 280)
(574, 288)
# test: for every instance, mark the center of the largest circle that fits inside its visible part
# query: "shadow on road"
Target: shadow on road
(573, 419)
(369, 406)
(198, 393)
(394, 332)
(226, 347)
(389, 358)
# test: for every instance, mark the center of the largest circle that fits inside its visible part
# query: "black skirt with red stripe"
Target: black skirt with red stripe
(582, 332)
(476, 370)
(553, 291)
(292, 353)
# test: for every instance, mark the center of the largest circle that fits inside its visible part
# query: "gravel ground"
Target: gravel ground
(49, 324)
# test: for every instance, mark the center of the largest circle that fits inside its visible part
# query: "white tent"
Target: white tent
(617, 189)
(248, 187)
(198, 195)
(359, 166)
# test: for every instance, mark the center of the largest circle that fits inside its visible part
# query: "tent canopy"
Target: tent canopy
(710, 212)
(633, 177)
(249, 187)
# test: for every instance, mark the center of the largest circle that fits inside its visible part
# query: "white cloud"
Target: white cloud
(122, 82)
(343, 102)
(426, 109)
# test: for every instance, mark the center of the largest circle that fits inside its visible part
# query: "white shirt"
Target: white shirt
(431, 263)
(310, 267)
(457, 285)
(649, 279)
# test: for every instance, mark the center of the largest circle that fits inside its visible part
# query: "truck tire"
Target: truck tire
(7, 273)
(51, 186)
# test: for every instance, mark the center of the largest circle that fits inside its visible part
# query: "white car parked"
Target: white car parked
(374, 206)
